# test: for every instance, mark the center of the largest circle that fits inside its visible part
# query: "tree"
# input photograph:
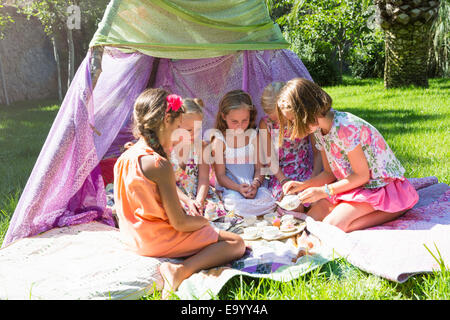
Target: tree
(407, 27)
(5, 19)
(439, 58)
(60, 19)
(338, 24)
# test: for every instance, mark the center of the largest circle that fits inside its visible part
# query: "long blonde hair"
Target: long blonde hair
(269, 96)
(308, 101)
(233, 100)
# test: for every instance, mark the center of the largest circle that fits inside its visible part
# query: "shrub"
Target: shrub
(367, 58)
(318, 57)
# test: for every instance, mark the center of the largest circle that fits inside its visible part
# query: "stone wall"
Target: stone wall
(28, 62)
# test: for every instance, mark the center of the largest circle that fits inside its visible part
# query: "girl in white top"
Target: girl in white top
(237, 165)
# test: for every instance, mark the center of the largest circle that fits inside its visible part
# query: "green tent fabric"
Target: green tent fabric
(193, 29)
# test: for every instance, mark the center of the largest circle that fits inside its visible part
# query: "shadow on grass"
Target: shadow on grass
(440, 81)
(32, 104)
(348, 81)
(385, 119)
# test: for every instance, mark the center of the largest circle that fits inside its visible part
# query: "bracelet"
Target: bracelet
(331, 190)
(257, 180)
(282, 182)
(327, 191)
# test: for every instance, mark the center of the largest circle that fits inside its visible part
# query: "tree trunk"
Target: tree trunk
(406, 56)
(95, 66)
(58, 68)
(3, 80)
(71, 58)
(341, 63)
(407, 26)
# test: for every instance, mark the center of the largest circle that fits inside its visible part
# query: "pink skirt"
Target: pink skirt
(396, 196)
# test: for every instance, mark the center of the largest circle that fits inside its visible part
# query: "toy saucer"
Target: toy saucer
(277, 236)
(250, 238)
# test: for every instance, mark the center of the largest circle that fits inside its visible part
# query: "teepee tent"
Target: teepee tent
(197, 48)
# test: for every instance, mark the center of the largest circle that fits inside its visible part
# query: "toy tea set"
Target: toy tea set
(272, 227)
(268, 227)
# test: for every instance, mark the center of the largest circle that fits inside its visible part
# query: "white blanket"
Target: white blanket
(86, 261)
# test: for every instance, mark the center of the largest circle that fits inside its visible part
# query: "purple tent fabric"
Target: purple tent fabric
(209, 79)
(65, 186)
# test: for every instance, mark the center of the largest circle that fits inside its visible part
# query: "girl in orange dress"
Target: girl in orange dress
(151, 219)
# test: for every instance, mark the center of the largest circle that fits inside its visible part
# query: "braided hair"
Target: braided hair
(149, 112)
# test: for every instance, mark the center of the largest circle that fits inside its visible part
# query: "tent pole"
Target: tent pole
(245, 71)
(96, 64)
(152, 80)
(95, 69)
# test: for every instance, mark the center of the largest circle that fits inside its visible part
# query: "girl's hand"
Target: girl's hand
(200, 205)
(255, 184)
(244, 189)
(293, 187)
(193, 209)
(312, 194)
(251, 194)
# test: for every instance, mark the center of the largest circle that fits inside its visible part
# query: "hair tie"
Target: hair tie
(174, 102)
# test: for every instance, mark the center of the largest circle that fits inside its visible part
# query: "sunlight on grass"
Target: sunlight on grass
(54, 107)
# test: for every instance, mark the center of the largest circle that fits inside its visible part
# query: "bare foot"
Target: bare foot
(172, 275)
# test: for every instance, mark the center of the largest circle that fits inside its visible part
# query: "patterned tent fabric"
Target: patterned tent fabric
(223, 53)
(181, 29)
(65, 187)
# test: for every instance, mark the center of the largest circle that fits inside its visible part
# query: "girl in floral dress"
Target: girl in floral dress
(362, 184)
(191, 175)
(298, 158)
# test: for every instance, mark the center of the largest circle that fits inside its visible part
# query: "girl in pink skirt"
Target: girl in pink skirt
(362, 184)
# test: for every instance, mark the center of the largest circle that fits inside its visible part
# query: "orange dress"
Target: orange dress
(143, 221)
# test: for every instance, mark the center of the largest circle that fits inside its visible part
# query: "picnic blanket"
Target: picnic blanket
(274, 260)
(395, 250)
(89, 261)
(414, 243)
(86, 261)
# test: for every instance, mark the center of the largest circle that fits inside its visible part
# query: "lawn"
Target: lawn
(415, 123)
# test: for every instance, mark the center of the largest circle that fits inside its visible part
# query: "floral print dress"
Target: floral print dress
(387, 189)
(295, 158)
(187, 181)
(349, 131)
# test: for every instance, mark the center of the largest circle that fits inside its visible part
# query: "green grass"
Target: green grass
(415, 123)
(24, 127)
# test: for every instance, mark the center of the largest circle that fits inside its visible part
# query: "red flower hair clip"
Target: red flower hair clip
(174, 102)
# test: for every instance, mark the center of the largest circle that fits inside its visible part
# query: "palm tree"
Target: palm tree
(407, 25)
(440, 51)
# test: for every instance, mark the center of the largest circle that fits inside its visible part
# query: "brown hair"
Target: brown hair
(308, 102)
(269, 96)
(149, 112)
(193, 106)
(233, 100)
